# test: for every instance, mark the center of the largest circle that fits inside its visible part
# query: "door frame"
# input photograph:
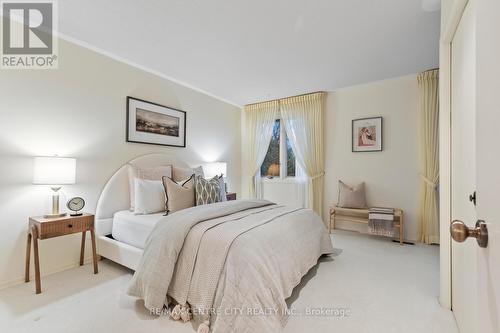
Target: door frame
(451, 14)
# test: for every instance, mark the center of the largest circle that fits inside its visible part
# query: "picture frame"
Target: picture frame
(367, 134)
(155, 124)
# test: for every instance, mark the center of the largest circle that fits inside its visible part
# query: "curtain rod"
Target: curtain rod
(279, 99)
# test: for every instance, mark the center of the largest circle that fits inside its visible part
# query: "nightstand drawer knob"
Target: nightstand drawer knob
(70, 226)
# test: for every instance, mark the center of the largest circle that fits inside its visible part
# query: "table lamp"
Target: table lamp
(54, 171)
(215, 169)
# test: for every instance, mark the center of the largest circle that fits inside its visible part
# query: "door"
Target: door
(488, 159)
(475, 160)
(463, 170)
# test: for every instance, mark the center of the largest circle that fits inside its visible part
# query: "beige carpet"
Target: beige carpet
(379, 285)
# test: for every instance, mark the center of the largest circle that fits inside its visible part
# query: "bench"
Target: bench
(361, 216)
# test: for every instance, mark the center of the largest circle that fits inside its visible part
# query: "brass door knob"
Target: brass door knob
(460, 232)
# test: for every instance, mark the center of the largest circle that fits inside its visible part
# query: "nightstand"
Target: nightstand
(231, 196)
(44, 228)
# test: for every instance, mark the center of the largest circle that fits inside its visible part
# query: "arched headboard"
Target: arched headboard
(116, 193)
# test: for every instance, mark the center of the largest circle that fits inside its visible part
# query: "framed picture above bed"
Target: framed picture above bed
(155, 124)
(367, 134)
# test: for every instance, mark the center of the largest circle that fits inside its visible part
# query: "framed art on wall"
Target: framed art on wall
(155, 124)
(367, 134)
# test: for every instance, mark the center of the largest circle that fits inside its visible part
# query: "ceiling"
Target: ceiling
(244, 51)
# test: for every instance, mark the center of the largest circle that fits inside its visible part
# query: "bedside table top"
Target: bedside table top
(41, 219)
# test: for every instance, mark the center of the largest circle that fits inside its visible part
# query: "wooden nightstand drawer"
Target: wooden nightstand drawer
(59, 229)
(48, 228)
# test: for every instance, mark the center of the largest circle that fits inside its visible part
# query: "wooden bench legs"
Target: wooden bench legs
(331, 221)
(401, 230)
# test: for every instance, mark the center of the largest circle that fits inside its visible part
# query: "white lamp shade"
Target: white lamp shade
(215, 169)
(54, 170)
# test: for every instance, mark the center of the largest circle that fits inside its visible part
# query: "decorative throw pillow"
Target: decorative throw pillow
(207, 190)
(149, 196)
(351, 197)
(222, 192)
(155, 173)
(179, 195)
(179, 174)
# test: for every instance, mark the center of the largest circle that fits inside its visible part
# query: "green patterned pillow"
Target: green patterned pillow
(207, 190)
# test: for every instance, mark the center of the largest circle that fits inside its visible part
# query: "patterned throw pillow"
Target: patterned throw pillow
(207, 190)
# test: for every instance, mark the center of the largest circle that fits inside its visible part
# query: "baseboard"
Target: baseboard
(20, 280)
(365, 233)
(404, 242)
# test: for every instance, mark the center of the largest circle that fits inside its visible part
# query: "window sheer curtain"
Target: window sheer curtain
(303, 118)
(428, 83)
(260, 119)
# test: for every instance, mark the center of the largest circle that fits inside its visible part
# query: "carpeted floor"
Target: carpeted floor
(369, 285)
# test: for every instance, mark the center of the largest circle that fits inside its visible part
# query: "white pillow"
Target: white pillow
(149, 196)
(155, 173)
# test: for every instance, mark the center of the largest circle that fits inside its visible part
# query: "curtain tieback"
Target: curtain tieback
(321, 174)
(429, 182)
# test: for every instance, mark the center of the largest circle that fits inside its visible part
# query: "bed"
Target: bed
(213, 264)
(114, 198)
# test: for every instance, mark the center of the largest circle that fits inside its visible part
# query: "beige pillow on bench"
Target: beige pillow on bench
(351, 197)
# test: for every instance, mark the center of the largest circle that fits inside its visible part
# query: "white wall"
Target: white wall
(79, 111)
(391, 176)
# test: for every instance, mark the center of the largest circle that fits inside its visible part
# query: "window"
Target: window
(280, 159)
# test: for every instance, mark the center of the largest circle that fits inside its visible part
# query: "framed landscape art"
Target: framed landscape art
(367, 134)
(155, 124)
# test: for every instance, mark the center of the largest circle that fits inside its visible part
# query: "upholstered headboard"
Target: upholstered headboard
(116, 194)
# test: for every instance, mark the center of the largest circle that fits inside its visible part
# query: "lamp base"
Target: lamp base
(55, 205)
(53, 216)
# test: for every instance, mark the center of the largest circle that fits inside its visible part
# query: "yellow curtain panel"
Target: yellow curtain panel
(303, 117)
(428, 83)
(259, 119)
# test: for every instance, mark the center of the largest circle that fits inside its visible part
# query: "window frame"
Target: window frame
(283, 158)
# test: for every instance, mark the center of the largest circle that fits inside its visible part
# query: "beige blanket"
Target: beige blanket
(234, 258)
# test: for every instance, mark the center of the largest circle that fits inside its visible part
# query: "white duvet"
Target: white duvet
(233, 263)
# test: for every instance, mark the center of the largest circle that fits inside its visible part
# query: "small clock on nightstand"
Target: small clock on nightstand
(76, 204)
